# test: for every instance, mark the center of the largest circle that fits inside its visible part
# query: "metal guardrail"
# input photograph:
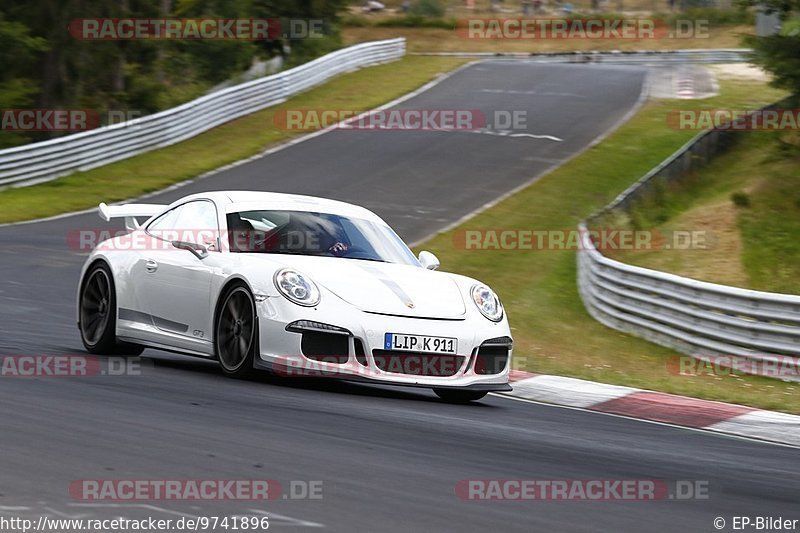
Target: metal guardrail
(705, 320)
(36, 162)
(730, 55)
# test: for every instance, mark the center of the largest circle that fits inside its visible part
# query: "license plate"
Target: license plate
(420, 343)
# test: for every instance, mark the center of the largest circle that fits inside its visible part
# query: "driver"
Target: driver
(313, 233)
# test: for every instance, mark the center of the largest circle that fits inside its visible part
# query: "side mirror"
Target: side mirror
(428, 260)
(198, 250)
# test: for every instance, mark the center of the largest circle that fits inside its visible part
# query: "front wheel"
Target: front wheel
(98, 315)
(459, 396)
(236, 332)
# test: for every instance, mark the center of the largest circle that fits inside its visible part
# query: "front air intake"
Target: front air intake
(325, 347)
(492, 357)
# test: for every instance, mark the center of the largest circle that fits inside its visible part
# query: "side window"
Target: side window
(193, 222)
(197, 216)
(164, 223)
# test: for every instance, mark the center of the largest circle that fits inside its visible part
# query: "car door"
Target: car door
(177, 282)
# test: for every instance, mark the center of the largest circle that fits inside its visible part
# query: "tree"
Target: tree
(778, 54)
(18, 83)
(46, 66)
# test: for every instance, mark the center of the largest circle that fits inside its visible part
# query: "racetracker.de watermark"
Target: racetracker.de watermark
(174, 29)
(572, 239)
(405, 363)
(127, 490)
(38, 120)
(388, 119)
(86, 240)
(773, 366)
(581, 489)
(580, 28)
(62, 120)
(734, 119)
(67, 366)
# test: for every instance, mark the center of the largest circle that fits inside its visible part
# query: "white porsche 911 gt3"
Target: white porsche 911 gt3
(296, 285)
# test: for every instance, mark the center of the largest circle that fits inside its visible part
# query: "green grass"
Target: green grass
(761, 171)
(770, 227)
(553, 333)
(357, 91)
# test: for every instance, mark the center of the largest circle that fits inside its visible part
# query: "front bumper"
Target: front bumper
(285, 353)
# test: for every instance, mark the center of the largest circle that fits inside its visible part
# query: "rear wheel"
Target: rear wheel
(98, 315)
(236, 332)
(459, 396)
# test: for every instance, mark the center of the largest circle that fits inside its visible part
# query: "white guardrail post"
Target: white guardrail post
(704, 320)
(42, 161)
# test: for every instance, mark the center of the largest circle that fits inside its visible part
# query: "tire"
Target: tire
(459, 396)
(98, 315)
(235, 332)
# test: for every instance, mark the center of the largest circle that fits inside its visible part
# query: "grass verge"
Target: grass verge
(748, 203)
(553, 332)
(358, 91)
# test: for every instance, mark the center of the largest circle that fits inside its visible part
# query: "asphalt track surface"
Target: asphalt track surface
(389, 458)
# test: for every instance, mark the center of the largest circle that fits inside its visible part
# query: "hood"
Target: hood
(386, 288)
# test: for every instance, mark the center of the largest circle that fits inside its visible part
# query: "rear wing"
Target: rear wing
(129, 212)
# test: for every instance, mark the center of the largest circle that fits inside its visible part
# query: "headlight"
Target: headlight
(297, 287)
(488, 303)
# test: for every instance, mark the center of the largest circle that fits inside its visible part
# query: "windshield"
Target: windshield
(320, 234)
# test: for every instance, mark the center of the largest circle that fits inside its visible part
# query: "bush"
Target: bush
(714, 15)
(354, 21)
(791, 27)
(417, 21)
(740, 199)
(305, 50)
(427, 8)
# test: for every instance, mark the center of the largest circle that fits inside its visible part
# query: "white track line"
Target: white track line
(643, 95)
